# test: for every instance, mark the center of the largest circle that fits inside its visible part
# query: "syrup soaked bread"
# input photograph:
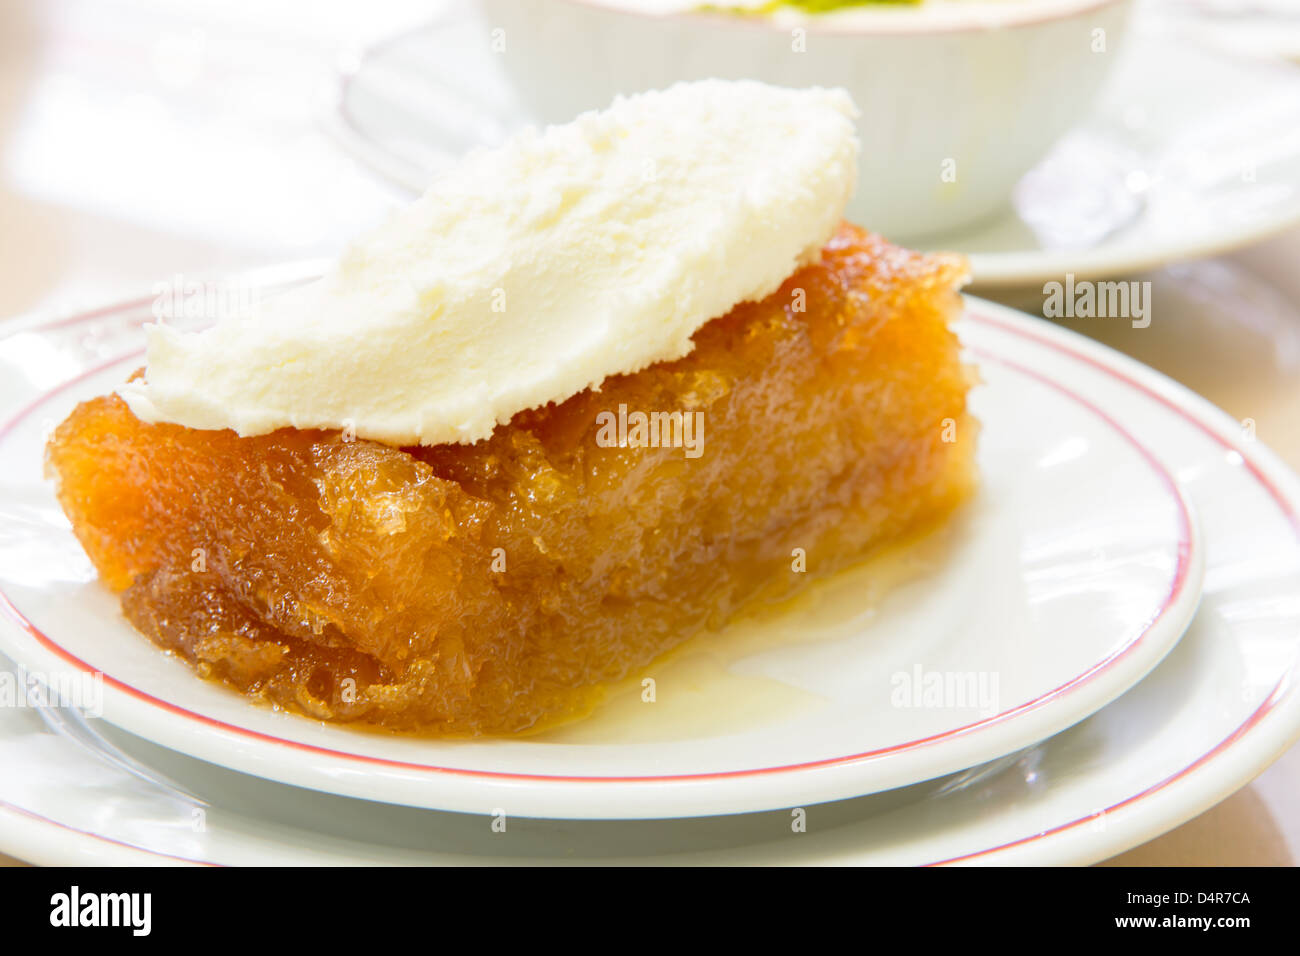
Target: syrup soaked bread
(496, 587)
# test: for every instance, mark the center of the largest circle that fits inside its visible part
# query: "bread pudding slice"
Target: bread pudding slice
(495, 587)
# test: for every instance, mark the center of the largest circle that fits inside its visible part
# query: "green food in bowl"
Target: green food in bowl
(827, 6)
(807, 6)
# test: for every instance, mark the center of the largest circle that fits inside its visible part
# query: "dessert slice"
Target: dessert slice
(493, 587)
(596, 392)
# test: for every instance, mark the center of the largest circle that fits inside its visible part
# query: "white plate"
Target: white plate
(1072, 573)
(1215, 712)
(1191, 151)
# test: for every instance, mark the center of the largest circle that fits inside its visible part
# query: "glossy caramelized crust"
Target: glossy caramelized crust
(492, 588)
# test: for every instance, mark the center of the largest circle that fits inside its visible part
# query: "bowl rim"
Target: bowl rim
(956, 18)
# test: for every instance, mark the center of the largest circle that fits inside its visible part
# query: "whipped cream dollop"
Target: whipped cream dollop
(530, 272)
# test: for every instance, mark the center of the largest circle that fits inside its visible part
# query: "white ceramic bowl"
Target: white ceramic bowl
(959, 98)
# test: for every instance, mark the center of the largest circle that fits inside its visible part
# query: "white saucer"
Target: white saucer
(1220, 707)
(1073, 572)
(1191, 150)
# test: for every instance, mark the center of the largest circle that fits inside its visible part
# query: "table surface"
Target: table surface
(140, 139)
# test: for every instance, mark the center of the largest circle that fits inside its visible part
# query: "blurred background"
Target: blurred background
(145, 138)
